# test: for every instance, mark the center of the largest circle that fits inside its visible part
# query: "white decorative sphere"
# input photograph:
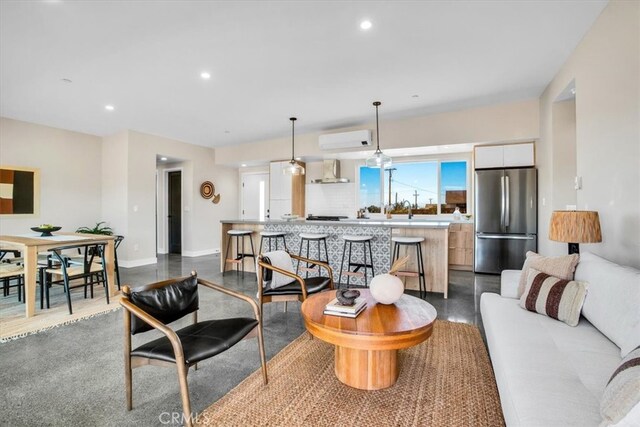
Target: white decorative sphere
(386, 288)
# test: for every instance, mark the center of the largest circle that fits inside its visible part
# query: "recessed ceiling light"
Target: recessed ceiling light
(227, 131)
(243, 165)
(109, 107)
(164, 159)
(66, 80)
(365, 25)
(205, 75)
(415, 96)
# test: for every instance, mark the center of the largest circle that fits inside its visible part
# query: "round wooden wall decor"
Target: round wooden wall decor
(207, 189)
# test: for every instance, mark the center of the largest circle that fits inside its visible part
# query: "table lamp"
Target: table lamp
(575, 227)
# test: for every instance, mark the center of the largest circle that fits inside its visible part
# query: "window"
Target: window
(428, 187)
(453, 187)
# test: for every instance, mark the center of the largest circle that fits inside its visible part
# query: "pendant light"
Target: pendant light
(293, 168)
(379, 159)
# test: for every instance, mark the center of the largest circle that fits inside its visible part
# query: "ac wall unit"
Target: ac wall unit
(336, 141)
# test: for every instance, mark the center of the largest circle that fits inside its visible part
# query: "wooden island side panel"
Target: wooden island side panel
(435, 256)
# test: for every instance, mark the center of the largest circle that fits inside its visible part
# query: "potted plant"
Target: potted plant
(98, 229)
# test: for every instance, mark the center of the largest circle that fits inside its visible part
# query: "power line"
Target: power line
(414, 187)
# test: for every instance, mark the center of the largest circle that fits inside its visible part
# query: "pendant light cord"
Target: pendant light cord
(293, 125)
(377, 103)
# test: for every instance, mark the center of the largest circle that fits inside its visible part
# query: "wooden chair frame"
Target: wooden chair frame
(285, 298)
(132, 362)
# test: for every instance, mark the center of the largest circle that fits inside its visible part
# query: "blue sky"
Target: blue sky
(409, 178)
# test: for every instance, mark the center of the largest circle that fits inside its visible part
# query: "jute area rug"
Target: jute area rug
(445, 381)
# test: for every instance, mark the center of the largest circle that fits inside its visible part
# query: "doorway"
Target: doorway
(174, 212)
(255, 196)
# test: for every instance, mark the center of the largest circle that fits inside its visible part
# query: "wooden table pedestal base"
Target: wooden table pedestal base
(366, 369)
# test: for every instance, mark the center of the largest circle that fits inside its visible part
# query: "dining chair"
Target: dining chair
(298, 289)
(156, 305)
(65, 271)
(9, 273)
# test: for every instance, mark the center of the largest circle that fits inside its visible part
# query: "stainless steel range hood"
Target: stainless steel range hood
(330, 173)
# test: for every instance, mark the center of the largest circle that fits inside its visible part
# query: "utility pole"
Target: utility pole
(415, 196)
(390, 170)
(430, 199)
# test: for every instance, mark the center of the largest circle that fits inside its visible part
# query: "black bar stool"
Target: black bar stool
(411, 241)
(313, 237)
(272, 235)
(366, 242)
(240, 254)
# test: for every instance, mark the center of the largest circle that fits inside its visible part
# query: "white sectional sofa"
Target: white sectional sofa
(551, 374)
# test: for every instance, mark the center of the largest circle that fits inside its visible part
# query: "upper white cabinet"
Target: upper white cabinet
(279, 183)
(504, 156)
(286, 192)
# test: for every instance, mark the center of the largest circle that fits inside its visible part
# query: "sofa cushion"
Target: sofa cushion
(548, 373)
(562, 267)
(557, 298)
(509, 281)
(613, 300)
(623, 389)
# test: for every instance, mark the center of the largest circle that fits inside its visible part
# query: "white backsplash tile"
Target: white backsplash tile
(331, 199)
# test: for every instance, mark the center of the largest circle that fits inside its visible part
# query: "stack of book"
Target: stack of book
(335, 308)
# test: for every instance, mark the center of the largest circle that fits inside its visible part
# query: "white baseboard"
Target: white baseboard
(162, 251)
(191, 254)
(137, 262)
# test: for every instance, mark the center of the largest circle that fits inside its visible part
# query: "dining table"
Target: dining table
(30, 244)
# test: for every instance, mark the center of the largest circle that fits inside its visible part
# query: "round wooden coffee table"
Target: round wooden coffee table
(367, 346)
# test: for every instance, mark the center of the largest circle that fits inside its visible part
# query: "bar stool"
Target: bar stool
(411, 241)
(272, 235)
(240, 255)
(365, 241)
(313, 237)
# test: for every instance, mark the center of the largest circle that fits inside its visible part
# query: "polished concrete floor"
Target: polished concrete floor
(73, 375)
(463, 304)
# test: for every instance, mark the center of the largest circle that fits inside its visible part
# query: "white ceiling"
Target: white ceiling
(270, 60)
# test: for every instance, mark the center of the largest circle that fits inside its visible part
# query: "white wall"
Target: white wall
(564, 153)
(201, 218)
(606, 69)
(517, 121)
(70, 166)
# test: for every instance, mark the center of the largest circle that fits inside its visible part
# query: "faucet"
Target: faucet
(409, 206)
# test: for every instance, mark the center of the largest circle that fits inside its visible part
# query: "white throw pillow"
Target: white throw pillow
(561, 267)
(613, 302)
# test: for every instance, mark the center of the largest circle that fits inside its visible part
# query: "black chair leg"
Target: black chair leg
(68, 291)
(373, 271)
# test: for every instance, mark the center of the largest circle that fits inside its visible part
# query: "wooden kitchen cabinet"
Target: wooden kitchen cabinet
(286, 192)
(461, 246)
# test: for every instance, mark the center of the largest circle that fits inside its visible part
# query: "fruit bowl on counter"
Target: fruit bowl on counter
(289, 217)
(46, 229)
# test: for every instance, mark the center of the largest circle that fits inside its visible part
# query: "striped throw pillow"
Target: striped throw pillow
(557, 298)
(622, 392)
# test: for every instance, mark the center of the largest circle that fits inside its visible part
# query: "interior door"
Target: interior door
(255, 196)
(174, 203)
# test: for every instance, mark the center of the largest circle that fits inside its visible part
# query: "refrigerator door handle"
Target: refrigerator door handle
(502, 203)
(507, 211)
(504, 237)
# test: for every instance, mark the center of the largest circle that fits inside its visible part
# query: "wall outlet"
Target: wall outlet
(544, 202)
(577, 183)
(136, 247)
(135, 208)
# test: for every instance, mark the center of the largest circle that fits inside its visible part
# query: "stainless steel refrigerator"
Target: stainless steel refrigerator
(506, 218)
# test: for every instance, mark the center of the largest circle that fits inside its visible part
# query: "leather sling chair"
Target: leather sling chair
(158, 304)
(298, 289)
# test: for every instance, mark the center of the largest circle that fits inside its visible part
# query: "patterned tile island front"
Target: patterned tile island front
(434, 248)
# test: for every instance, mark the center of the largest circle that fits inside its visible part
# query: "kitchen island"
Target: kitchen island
(434, 248)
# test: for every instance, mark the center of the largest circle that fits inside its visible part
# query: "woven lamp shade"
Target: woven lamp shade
(575, 227)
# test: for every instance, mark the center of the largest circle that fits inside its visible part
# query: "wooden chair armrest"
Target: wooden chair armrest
(156, 324)
(234, 294)
(319, 263)
(286, 273)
